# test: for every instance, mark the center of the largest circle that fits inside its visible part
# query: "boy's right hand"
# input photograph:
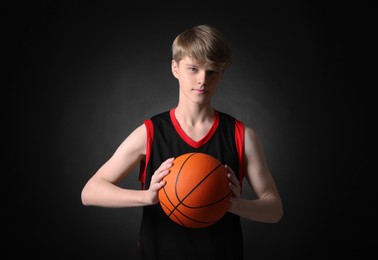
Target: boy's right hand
(157, 181)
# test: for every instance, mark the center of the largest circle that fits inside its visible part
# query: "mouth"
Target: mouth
(200, 91)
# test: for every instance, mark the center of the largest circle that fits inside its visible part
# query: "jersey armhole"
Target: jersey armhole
(143, 163)
(239, 138)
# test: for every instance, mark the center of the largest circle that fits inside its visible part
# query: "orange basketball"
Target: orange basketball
(197, 191)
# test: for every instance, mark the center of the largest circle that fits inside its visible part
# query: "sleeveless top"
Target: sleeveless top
(160, 237)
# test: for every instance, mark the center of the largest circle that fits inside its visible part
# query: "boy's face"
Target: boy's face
(196, 82)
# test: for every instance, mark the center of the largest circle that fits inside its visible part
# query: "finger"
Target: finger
(157, 180)
(235, 190)
(228, 168)
(159, 176)
(166, 164)
(231, 172)
(162, 171)
(160, 184)
(165, 168)
(234, 180)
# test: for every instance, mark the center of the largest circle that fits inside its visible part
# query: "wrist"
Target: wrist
(148, 198)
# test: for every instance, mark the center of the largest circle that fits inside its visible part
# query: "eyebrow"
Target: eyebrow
(196, 65)
(191, 65)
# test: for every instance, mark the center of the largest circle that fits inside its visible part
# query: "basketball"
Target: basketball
(197, 192)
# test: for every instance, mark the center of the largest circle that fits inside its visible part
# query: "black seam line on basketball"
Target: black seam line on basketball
(165, 192)
(204, 206)
(182, 165)
(178, 173)
(170, 213)
(184, 215)
(192, 219)
(195, 187)
(179, 220)
(166, 195)
(176, 217)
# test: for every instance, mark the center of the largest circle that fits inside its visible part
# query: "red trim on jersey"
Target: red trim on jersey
(186, 138)
(144, 163)
(239, 139)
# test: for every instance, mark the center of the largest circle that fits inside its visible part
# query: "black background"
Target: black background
(83, 76)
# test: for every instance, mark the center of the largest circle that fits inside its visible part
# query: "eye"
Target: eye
(193, 69)
(212, 72)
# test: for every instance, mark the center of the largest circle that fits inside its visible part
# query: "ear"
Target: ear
(174, 68)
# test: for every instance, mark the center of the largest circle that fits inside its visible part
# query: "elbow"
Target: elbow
(86, 195)
(278, 214)
(84, 198)
(274, 212)
(277, 217)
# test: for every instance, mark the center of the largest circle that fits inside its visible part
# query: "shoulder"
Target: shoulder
(253, 144)
(225, 115)
(230, 118)
(161, 115)
(138, 135)
(134, 143)
(250, 133)
(158, 120)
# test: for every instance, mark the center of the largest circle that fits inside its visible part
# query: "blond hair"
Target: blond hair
(203, 44)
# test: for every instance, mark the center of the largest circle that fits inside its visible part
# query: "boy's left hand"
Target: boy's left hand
(234, 183)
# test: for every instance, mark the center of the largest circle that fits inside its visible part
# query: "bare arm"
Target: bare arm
(268, 206)
(102, 190)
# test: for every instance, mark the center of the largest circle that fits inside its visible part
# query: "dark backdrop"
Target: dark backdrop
(83, 76)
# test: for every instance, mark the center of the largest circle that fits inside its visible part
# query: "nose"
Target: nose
(201, 77)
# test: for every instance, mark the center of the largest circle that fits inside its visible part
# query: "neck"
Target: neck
(193, 115)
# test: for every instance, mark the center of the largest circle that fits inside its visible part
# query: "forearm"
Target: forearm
(105, 194)
(267, 209)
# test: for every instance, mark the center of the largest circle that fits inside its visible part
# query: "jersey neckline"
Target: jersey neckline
(186, 138)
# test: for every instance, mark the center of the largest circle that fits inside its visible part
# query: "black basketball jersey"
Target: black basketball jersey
(160, 237)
